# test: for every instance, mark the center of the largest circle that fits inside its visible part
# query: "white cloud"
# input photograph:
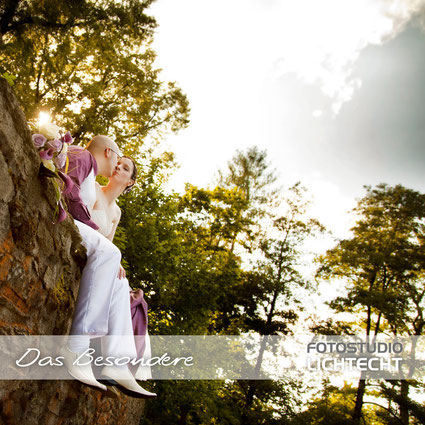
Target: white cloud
(234, 45)
(228, 56)
(319, 41)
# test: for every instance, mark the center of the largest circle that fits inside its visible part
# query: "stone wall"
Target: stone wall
(40, 268)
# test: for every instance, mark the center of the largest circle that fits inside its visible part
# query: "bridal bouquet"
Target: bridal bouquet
(52, 146)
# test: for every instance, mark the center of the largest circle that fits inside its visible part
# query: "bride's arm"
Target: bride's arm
(115, 221)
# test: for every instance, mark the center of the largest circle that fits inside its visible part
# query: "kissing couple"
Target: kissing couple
(103, 304)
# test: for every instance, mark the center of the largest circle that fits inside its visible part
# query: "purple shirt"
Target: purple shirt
(81, 163)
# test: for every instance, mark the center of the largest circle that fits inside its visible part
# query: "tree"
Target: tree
(90, 64)
(380, 262)
(269, 295)
(249, 172)
(275, 227)
(334, 406)
(182, 250)
(179, 253)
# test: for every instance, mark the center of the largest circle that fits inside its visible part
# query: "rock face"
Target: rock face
(40, 268)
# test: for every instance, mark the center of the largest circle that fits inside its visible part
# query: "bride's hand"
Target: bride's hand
(121, 272)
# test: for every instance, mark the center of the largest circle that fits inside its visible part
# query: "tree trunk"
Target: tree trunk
(249, 400)
(183, 417)
(8, 14)
(357, 414)
(404, 411)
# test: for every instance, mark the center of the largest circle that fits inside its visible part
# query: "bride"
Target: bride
(106, 214)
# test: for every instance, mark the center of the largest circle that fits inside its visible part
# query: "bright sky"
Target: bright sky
(334, 90)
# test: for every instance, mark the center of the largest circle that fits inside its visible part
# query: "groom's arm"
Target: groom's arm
(81, 166)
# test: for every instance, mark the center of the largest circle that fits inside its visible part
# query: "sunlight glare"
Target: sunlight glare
(43, 118)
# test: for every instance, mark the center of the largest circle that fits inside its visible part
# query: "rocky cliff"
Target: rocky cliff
(40, 267)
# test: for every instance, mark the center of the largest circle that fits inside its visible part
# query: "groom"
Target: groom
(102, 305)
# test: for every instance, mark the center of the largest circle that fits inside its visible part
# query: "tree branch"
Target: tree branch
(8, 14)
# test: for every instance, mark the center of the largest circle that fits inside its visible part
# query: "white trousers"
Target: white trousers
(120, 339)
(143, 372)
(103, 303)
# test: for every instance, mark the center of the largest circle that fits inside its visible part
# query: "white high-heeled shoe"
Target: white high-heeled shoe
(124, 380)
(82, 373)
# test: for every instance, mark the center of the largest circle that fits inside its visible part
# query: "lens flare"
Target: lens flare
(43, 118)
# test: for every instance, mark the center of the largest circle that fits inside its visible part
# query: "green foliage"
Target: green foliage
(217, 402)
(332, 406)
(185, 252)
(191, 402)
(9, 78)
(273, 281)
(397, 391)
(174, 255)
(384, 261)
(90, 64)
(250, 172)
(383, 264)
(224, 259)
(61, 293)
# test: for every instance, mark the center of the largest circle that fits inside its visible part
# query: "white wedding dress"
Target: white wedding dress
(101, 219)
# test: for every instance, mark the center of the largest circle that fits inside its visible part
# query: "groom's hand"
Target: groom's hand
(121, 272)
